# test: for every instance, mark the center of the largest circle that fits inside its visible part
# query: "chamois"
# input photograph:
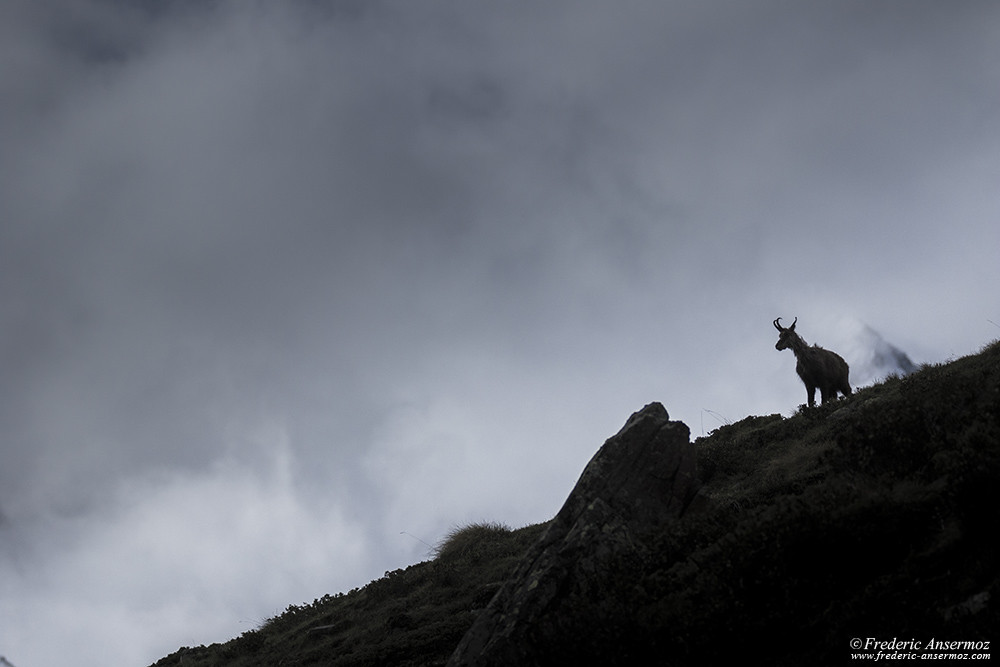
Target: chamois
(817, 367)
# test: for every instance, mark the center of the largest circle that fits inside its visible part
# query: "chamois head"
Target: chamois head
(787, 335)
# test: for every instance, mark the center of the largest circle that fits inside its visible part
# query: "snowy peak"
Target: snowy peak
(870, 356)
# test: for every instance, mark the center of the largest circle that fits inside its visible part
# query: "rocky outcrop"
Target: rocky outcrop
(641, 479)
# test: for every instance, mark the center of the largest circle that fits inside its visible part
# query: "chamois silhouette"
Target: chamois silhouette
(817, 367)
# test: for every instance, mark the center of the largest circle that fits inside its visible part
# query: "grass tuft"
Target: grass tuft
(474, 543)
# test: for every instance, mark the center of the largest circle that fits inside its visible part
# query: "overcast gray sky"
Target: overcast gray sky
(289, 289)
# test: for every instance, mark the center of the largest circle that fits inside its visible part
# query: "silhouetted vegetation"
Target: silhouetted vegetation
(871, 516)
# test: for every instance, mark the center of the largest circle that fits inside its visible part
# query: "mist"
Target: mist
(287, 292)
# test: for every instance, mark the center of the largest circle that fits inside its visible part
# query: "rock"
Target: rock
(641, 479)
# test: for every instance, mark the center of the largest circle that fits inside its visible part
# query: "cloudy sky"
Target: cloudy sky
(287, 290)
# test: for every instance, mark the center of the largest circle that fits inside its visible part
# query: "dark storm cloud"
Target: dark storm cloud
(318, 273)
(229, 210)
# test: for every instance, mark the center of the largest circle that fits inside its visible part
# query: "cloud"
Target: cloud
(175, 558)
(389, 267)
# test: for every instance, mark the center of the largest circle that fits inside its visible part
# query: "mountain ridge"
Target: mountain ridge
(870, 516)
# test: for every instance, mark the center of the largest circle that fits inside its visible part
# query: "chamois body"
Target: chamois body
(818, 368)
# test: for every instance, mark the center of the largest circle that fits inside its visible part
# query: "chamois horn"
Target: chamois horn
(781, 328)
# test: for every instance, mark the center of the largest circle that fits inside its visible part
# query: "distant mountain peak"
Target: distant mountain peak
(870, 356)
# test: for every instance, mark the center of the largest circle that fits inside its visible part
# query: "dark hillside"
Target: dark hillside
(871, 517)
(411, 616)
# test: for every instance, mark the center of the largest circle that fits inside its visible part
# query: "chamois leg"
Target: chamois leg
(811, 392)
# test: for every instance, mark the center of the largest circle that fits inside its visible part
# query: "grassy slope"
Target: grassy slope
(873, 516)
(411, 616)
